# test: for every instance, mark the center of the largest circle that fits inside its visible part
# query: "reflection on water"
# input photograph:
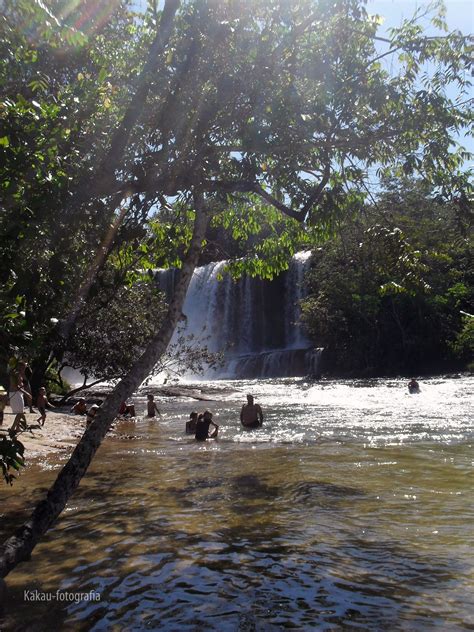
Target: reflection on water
(351, 509)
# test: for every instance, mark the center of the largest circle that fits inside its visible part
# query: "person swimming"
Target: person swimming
(413, 386)
(251, 415)
(191, 424)
(202, 427)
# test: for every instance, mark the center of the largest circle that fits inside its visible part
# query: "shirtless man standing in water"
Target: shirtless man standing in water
(251, 415)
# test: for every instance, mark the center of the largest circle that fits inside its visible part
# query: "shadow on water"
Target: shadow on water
(259, 573)
(248, 539)
(251, 486)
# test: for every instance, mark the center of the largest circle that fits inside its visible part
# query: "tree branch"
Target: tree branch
(318, 191)
(241, 186)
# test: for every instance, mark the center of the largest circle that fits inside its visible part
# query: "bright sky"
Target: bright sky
(459, 16)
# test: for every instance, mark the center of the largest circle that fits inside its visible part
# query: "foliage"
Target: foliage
(55, 116)
(279, 116)
(389, 298)
(106, 342)
(54, 382)
(11, 456)
(289, 106)
(463, 345)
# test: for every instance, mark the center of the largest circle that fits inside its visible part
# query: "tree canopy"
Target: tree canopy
(132, 135)
(388, 293)
(285, 107)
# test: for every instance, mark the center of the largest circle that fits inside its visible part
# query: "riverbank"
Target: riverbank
(60, 433)
(62, 430)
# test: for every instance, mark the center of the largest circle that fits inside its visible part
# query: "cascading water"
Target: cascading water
(254, 322)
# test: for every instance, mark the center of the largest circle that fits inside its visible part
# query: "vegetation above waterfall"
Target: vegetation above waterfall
(393, 291)
(278, 116)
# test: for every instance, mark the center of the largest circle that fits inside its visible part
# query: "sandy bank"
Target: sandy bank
(61, 432)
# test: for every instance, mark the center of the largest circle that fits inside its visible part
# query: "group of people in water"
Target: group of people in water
(251, 416)
(200, 425)
(126, 409)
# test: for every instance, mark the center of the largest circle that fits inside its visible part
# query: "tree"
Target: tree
(386, 295)
(113, 330)
(463, 345)
(288, 104)
(65, 98)
(56, 111)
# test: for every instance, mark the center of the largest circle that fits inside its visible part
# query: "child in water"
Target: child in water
(202, 427)
(80, 407)
(127, 408)
(42, 402)
(191, 424)
(91, 414)
(151, 407)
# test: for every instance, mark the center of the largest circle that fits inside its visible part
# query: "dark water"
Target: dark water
(352, 509)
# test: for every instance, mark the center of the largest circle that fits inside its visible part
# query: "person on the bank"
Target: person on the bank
(251, 415)
(41, 403)
(151, 407)
(202, 427)
(15, 395)
(191, 424)
(413, 386)
(80, 407)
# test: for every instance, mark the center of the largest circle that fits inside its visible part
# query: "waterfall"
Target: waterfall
(254, 322)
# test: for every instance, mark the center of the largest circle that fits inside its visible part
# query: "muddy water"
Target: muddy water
(352, 508)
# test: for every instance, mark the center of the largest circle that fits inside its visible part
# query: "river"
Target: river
(352, 508)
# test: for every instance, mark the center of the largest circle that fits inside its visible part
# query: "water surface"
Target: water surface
(352, 508)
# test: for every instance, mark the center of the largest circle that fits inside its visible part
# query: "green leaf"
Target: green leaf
(102, 75)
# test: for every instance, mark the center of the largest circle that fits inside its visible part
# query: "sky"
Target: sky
(459, 16)
(459, 13)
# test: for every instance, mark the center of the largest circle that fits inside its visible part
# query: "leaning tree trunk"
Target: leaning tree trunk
(102, 182)
(19, 547)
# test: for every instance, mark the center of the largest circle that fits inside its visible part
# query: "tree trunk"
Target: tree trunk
(97, 264)
(19, 547)
(103, 178)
